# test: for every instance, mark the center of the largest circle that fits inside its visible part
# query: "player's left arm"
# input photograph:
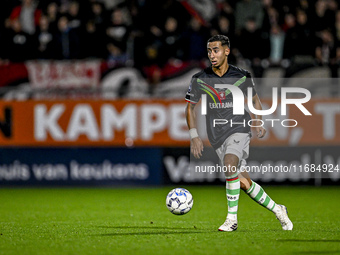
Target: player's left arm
(260, 130)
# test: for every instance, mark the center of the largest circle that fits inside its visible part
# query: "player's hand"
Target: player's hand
(196, 147)
(260, 132)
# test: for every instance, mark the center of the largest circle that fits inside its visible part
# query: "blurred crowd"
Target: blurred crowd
(154, 33)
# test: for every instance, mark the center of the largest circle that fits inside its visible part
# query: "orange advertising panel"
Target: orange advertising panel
(93, 123)
(322, 127)
(149, 123)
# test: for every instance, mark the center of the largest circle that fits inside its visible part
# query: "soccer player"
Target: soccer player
(230, 140)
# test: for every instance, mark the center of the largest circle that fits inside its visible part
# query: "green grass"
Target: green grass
(136, 221)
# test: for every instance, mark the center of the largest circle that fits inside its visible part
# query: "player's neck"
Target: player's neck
(221, 70)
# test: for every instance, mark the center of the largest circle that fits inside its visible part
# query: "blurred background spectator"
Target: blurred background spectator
(253, 44)
(153, 35)
(66, 41)
(18, 45)
(328, 52)
(245, 10)
(28, 15)
(194, 39)
(44, 37)
(52, 12)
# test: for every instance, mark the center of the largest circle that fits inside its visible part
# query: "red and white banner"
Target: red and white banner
(64, 74)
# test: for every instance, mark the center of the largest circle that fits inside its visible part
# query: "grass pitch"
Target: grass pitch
(136, 221)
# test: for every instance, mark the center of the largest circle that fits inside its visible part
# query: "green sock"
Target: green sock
(257, 193)
(233, 194)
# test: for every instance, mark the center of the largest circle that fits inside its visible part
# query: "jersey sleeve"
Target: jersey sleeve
(193, 94)
(250, 84)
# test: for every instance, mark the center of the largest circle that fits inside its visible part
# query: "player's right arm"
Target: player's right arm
(196, 142)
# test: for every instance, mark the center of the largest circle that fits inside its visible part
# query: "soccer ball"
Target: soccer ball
(179, 201)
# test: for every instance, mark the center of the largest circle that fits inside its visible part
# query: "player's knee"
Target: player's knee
(230, 160)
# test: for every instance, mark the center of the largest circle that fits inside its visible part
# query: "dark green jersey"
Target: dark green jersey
(220, 102)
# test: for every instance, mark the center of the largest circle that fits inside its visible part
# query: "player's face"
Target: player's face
(217, 53)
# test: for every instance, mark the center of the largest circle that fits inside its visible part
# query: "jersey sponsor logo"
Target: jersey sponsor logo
(221, 106)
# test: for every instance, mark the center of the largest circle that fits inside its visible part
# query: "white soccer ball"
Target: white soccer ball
(179, 201)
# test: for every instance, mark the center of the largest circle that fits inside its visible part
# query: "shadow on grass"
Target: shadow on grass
(154, 230)
(148, 227)
(154, 233)
(176, 230)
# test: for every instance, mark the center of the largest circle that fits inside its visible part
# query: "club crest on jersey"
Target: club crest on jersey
(222, 94)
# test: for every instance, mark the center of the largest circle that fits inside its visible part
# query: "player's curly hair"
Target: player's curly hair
(220, 38)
